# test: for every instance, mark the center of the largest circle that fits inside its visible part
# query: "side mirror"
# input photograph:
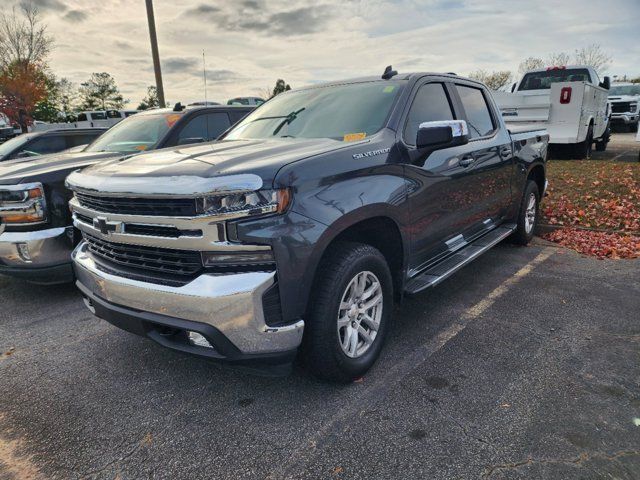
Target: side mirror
(442, 134)
(606, 83)
(188, 140)
(23, 154)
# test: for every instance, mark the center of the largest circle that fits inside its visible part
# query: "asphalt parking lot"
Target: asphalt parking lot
(522, 365)
(622, 148)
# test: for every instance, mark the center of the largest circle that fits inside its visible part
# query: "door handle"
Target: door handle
(466, 161)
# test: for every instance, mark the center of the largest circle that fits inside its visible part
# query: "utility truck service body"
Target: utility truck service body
(569, 102)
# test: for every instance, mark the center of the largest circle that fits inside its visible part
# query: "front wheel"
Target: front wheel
(349, 314)
(528, 216)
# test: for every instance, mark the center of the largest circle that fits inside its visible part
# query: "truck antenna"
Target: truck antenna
(204, 77)
(389, 72)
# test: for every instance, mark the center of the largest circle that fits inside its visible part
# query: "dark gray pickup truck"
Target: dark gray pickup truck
(301, 227)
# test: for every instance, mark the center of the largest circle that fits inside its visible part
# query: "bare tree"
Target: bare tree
(559, 58)
(23, 37)
(493, 80)
(531, 63)
(594, 56)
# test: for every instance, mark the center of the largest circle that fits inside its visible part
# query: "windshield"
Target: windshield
(341, 112)
(543, 80)
(14, 144)
(624, 90)
(135, 134)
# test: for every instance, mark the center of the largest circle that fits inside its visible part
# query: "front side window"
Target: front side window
(216, 124)
(135, 134)
(44, 145)
(340, 112)
(475, 106)
(194, 131)
(431, 104)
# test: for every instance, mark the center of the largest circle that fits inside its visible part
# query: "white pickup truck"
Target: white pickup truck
(88, 119)
(570, 102)
(625, 102)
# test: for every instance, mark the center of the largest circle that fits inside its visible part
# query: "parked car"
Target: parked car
(29, 145)
(246, 101)
(624, 98)
(6, 128)
(306, 220)
(570, 102)
(36, 232)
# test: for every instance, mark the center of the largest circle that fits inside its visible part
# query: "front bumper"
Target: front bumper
(226, 309)
(41, 256)
(626, 118)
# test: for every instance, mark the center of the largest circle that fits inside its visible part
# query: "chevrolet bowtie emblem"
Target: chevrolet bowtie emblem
(105, 227)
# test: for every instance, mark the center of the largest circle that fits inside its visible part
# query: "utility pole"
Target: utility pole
(154, 52)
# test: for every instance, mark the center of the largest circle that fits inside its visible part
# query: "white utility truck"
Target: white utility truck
(88, 119)
(570, 102)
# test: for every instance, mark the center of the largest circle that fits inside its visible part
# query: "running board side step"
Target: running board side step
(447, 267)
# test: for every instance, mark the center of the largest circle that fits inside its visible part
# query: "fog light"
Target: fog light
(23, 251)
(198, 340)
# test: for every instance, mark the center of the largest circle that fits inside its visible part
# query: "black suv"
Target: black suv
(36, 232)
(47, 142)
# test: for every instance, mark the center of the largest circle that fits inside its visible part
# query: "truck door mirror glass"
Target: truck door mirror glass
(606, 83)
(442, 134)
(188, 140)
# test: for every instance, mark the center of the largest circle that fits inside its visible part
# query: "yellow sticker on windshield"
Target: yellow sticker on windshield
(352, 137)
(140, 147)
(388, 89)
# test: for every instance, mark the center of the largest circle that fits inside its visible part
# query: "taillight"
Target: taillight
(565, 95)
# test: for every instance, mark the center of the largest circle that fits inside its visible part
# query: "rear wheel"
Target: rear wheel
(350, 312)
(528, 216)
(583, 149)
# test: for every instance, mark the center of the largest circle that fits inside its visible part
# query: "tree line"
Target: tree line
(592, 55)
(28, 88)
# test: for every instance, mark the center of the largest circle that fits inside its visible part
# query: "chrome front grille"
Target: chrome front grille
(154, 207)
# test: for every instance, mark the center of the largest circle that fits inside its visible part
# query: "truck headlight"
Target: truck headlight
(244, 204)
(633, 107)
(22, 204)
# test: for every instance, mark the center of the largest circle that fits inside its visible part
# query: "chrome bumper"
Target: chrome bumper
(37, 249)
(230, 303)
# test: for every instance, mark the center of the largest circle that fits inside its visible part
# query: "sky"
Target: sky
(249, 44)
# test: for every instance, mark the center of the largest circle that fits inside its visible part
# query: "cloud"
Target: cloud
(298, 21)
(123, 45)
(75, 16)
(179, 65)
(48, 5)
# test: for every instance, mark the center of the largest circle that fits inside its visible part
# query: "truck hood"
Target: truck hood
(624, 98)
(227, 157)
(30, 169)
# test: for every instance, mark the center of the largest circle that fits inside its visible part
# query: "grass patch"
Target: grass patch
(599, 204)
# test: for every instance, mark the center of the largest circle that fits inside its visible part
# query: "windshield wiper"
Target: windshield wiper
(287, 120)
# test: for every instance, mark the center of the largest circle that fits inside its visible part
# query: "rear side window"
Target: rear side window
(431, 104)
(216, 124)
(84, 139)
(478, 114)
(237, 115)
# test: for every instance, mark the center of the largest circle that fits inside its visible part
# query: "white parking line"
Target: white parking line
(399, 370)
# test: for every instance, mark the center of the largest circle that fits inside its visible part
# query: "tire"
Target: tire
(582, 150)
(323, 350)
(526, 225)
(601, 146)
